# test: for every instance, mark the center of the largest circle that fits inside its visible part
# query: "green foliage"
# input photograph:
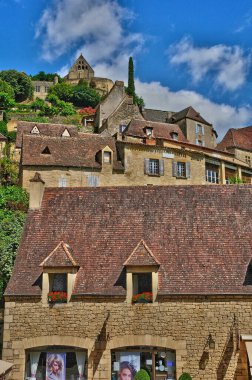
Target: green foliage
(139, 101)
(36, 119)
(6, 102)
(13, 207)
(80, 95)
(42, 76)
(235, 181)
(5, 87)
(11, 136)
(142, 374)
(185, 376)
(20, 82)
(8, 170)
(63, 91)
(131, 81)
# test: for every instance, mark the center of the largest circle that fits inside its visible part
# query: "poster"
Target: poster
(129, 365)
(55, 366)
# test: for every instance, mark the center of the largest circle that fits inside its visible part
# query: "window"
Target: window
(248, 160)
(174, 136)
(181, 169)
(142, 283)
(212, 176)
(46, 150)
(200, 142)
(62, 182)
(160, 363)
(199, 129)
(122, 128)
(93, 180)
(107, 157)
(149, 131)
(154, 166)
(46, 89)
(59, 282)
(35, 130)
(37, 88)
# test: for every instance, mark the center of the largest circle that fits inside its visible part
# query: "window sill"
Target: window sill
(153, 175)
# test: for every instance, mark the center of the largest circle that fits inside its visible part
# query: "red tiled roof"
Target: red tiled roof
(201, 235)
(189, 113)
(70, 151)
(137, 127)
(141, 255)
(54, 130)
(61, 256)
(239, 138)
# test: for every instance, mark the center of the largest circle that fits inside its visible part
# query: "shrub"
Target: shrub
(142, 374)
(185, 376)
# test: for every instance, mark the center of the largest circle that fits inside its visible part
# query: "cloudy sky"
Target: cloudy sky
(186, 52)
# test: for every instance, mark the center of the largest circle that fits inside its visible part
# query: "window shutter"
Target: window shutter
(174, 169)
(188, 170)
(202, 129)
(161, 167)
(197, 128)
(146, 166)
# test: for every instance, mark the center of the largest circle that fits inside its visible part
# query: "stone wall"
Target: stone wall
(179, 323)
(1, 330)
(188, 127)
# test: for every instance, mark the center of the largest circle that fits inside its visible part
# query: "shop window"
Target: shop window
(157, 362)
(154, 166)
(181, 169)
(56, 363)
(107, 157)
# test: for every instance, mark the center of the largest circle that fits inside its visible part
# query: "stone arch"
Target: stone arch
(42, 341)
(150, 340)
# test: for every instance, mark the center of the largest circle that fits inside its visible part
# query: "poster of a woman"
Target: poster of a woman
(56, 366)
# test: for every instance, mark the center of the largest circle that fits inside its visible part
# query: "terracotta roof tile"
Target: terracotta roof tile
(189, 113)
(239, 138)
(61, 256)
(201, 235)
(141, 255)
(70, 151)
(54, 130)
(137, 127)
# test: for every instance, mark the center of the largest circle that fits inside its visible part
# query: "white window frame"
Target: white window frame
(212, 176)
(62, 182)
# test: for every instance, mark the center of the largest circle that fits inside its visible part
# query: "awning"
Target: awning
(5, 367)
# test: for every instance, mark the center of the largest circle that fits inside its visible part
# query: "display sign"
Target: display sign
(55, 366)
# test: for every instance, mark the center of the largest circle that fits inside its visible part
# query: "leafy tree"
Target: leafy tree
(13, 207)
(84, 96)
(6, 102)
(8, 170)
(20, 82)
(131, 81)
(42, 76)
(63, 91)
(5, 87)
(139, 101)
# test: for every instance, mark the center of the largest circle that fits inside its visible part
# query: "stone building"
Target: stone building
(41, 88)
(239, 142)
(143, 153)
(184, 251)
(81, 70)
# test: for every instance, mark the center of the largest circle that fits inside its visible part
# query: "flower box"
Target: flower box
(145, 297)
(57, 297)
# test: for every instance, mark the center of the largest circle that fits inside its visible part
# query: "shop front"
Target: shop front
(159, 363)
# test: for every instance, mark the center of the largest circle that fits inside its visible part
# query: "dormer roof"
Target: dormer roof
(61, 256)
(141, 256)
(189, 113)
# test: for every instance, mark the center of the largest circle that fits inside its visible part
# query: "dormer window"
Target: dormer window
(59, 272)
(46, 150)
(174, 136)
(122, 128)
(149, 131)
(142, 275)
(35, 130)
(107, 157)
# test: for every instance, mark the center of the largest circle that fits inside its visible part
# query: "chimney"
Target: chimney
(37, 186)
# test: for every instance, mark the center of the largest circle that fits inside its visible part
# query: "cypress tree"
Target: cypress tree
(131, 83)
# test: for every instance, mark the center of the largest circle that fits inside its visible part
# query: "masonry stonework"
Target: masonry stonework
(180, 323)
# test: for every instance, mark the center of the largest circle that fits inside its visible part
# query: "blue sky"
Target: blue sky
(186, 52)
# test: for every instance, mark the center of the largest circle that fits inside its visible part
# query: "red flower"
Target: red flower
(57, 297)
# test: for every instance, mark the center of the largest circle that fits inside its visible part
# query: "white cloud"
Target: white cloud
(94, 26)
(228, 64)
(222, 116)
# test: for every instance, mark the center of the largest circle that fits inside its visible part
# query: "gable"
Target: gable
(141, 256)
(61, 256)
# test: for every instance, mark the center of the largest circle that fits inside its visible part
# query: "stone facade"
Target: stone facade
(41, 88)
(181, 323)
(198, 133)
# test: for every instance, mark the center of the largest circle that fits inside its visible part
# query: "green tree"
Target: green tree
(131, 81)
(84, 96)
(5, 87)
(20, 82)
(63, 91)
(6, 102)
(42, 76)
(8, 170)
(13, 208)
